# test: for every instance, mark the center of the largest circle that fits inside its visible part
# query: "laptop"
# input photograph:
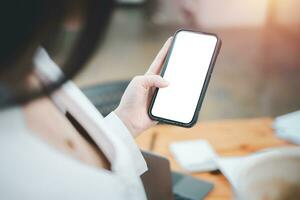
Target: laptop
(160, 183)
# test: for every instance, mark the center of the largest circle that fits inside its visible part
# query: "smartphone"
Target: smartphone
(187, 67)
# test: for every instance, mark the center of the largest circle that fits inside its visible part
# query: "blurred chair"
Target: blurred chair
(106, 97)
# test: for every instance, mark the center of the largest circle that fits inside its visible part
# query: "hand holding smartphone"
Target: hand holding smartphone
(187, 68)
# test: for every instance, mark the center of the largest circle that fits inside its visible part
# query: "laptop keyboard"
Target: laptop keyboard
(180, 197)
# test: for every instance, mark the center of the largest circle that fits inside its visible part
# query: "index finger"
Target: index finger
(160, 58)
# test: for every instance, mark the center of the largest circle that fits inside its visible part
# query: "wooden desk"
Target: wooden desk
(228, 137)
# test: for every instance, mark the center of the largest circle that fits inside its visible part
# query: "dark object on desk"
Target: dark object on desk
(160, 183)
(106, 97)
(216, 172)
(187, 187)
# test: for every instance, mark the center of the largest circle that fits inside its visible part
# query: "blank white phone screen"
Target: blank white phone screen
(186, 72)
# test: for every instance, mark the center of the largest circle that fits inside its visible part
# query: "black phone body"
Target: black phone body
(188, 75)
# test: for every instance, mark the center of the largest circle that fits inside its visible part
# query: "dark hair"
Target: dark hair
(25, 25)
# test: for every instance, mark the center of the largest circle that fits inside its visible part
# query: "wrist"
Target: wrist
(126, 121)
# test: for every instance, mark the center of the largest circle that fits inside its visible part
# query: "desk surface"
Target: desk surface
(228, 137)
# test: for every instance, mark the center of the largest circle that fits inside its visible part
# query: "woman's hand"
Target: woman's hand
(136, 98)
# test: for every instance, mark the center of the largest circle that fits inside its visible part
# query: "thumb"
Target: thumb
(154, 81)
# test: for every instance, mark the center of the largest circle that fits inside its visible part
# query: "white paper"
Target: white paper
(232, 167)
(287, 127)
(194, 155)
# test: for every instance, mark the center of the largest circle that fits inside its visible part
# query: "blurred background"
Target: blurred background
(258, 69)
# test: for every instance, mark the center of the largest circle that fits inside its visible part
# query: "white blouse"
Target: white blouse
(30, 169)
